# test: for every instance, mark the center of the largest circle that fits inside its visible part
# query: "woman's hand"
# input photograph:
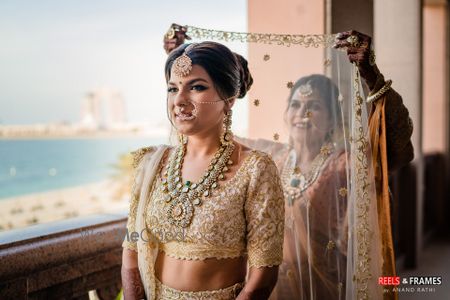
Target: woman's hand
(359, 51)
(175, 36)
(260, 284)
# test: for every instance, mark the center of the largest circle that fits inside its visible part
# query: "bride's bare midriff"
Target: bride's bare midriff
(200, 275)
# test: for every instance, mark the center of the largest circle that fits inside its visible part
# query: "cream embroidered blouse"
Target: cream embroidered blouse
(243, 216)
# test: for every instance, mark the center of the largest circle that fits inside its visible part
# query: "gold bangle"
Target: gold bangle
(380, 92)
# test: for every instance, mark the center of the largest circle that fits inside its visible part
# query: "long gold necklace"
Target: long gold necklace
(295, 182)
(182, 197)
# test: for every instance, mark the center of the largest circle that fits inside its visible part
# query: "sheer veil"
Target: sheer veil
(307, 108)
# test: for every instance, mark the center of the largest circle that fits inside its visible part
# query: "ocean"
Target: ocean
(38, 165)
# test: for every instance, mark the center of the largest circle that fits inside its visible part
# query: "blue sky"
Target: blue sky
(53, 52)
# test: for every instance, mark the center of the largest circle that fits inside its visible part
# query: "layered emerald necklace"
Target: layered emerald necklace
(182, 197)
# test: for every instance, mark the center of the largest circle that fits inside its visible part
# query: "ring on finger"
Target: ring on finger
(353, 40)
(170, 34)
(364, 45)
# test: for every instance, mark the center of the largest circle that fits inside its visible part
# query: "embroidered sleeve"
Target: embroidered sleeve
(264, 211)
(130, 240)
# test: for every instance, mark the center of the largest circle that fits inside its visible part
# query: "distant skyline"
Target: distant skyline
(54, 52)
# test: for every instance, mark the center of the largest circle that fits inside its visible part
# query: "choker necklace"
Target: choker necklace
(182, 197)
(295, 182)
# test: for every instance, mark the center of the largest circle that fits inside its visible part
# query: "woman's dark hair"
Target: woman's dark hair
(326, 89)
(229, 71)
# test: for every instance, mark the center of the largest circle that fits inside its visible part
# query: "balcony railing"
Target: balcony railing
(63, 260)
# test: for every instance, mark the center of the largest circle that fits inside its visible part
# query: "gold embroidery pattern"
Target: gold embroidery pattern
(276, 136)
(131, 224)
(229, 293)
(363, 232)
(264, 209)
(331, 245)
(139, 154)
(343, 192)
(221, 228)
(304, 40)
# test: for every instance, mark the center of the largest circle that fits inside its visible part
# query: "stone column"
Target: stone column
(343, 15)
(434, 76)
(398, 45)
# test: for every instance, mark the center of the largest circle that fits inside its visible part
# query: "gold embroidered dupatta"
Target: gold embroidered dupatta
(146, 246)
(358, 233)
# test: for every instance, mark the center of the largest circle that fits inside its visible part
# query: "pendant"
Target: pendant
(182, 197)
(180, 212)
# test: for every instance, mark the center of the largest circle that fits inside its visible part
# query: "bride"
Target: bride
(203, 210)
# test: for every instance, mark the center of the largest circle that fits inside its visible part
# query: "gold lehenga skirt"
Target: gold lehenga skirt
(163, 292)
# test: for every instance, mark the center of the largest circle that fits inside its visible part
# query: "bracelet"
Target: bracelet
(380, 92)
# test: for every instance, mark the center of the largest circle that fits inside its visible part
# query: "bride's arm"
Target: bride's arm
(260, 283)
(131, 279)
(399, 126)
(264, 213)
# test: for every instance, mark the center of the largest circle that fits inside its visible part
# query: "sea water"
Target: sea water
(31, 166)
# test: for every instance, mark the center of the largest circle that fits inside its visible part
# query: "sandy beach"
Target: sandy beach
(103, 196)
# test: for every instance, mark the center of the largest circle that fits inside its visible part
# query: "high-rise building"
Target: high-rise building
(103, 109)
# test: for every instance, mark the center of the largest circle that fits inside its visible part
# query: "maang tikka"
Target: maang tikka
(182, 65)
(305, 89)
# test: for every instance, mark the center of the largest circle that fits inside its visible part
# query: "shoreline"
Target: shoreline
(98, 197)
(82, 136)
(51, 190)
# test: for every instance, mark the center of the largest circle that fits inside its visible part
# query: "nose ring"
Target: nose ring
(179, 109)
(308, 114)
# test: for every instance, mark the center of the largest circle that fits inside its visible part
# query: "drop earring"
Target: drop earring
(227, 135)
(182, 139)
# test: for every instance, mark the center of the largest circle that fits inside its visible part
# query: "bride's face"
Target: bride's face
(184, 94)
(308, 118)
